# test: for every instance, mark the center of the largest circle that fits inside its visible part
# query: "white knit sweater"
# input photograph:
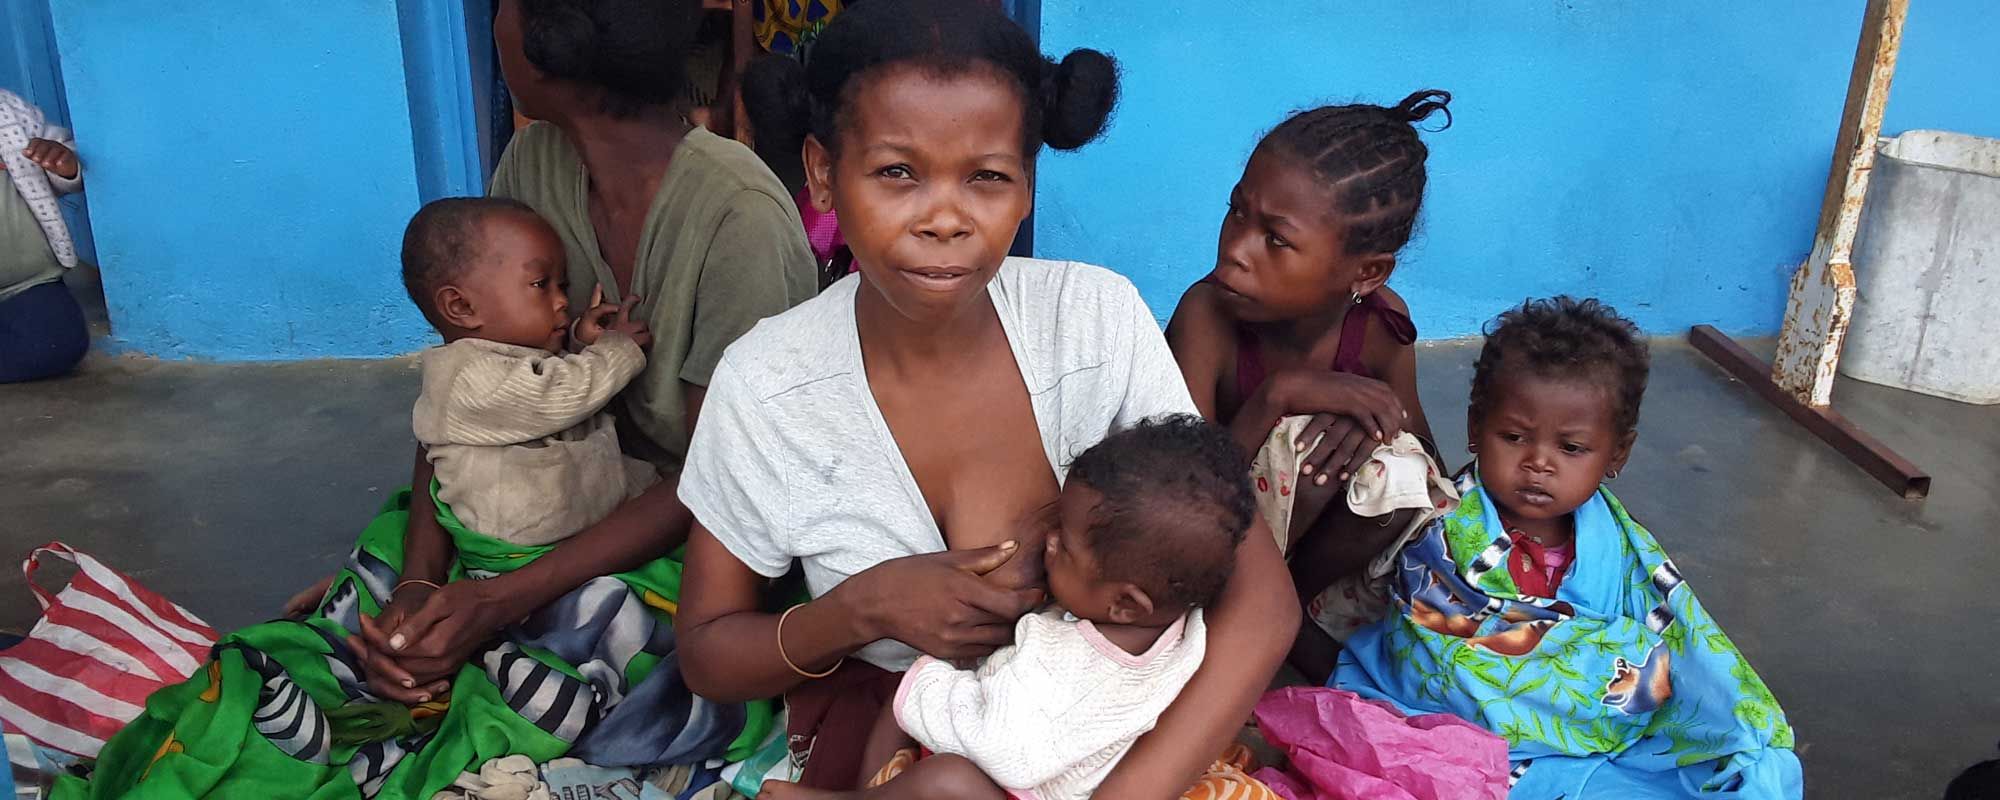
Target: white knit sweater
(1051, 715)
(522, 450)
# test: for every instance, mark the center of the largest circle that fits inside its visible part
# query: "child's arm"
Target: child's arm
(1399, 366)
(56, 154)
(1200, 339)
(884, 742)
(1402, 379)
(1203, 343)
(500, 400)
(1348, 440)
(1008, 723)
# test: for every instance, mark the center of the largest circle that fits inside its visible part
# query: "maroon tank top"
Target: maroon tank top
(1250, 372)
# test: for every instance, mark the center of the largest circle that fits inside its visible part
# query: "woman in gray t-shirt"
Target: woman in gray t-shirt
(902, 435)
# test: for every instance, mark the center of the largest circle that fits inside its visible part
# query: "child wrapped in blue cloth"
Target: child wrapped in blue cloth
(1540, 610)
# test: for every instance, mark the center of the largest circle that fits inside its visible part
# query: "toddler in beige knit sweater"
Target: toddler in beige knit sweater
(512, 409)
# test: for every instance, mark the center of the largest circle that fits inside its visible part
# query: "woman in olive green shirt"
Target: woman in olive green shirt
(692, 224)
(539, 656)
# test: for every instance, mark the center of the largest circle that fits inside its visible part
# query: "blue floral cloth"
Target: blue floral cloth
(1620, 686)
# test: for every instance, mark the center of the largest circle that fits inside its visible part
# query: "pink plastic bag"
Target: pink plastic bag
(1341, 746)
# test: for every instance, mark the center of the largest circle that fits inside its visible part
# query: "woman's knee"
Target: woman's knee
(42, 334)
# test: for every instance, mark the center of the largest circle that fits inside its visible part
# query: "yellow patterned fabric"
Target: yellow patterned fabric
(785, 26)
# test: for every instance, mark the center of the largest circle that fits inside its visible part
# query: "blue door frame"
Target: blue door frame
(448, 65)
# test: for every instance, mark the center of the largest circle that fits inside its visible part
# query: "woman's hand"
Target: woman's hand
(52, 156)
(1025, 570)
(450, 623)
(419, 645)
(940, 603)
(385, 673)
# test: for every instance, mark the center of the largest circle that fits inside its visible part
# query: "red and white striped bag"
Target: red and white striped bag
(102, 645)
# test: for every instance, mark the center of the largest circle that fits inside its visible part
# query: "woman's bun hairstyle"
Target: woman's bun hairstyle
(1065, 105)
(635, 50)
(1077, 97)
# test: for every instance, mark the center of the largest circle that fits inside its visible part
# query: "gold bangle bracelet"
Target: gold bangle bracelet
(409, 581)
(788, 659)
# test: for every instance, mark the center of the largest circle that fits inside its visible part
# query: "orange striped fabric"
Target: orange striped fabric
(1227, 779)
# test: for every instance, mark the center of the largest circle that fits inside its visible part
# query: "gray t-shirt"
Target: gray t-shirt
(793, 460)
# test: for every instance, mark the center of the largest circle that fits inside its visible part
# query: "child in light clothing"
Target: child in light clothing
(1143, 535)
(513, 423)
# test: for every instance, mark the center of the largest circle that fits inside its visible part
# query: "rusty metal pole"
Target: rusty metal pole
(1799, 381)
(1822, 297)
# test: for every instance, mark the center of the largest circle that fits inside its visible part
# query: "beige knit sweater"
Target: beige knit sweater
(522, 450)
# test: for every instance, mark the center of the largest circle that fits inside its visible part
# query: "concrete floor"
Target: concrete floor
(229, 487)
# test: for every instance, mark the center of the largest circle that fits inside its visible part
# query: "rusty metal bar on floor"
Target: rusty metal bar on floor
(1867, 452)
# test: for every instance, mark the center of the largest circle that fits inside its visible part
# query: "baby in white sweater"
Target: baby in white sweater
(1143, 535)
(512, 420)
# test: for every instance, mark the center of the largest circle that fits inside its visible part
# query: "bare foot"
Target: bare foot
(780, 790)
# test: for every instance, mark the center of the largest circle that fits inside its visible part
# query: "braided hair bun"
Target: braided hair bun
(1373, 161)
(1065, 104)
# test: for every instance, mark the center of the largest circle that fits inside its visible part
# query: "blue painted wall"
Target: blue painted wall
(252, 164)
(1667, 157)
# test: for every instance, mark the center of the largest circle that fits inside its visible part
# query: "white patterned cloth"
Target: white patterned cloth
(1399, 475)
(1049, 716)
(21, 121)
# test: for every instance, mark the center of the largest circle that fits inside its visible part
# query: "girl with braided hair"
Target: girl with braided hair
(1297, 326)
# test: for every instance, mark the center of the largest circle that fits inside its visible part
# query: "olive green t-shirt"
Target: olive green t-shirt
(25, 258)
(722, 248)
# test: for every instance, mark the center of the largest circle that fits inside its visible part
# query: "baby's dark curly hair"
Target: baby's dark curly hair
(1566, 338)
(443, 239)
(1175, 504)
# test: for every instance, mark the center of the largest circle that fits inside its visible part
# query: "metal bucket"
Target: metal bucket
(1927, 264)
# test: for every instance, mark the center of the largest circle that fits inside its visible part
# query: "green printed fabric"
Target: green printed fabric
(283, 709)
